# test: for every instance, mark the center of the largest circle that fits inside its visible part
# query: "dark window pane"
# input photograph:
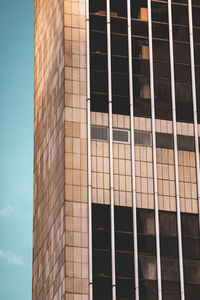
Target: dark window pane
(192, 271)
(143, 138)
(182, 73)
(96, 6)
(145, 221)
(162, 70)
(123, 219)
(185, 143)
(159, 12)
(121, 105)
(124, 241)
(182, 53)
(98, 42)
(170, 290)
(163, 99)
(139, 9)
(190, 225)
(120, 84)
(164, 140)
(102, 288)
(121, 136)
(180, 33)
(141, 67)
(170, 269)
(99, 81)
(184, 112)
(168, 224)
(179, 14)
(180, 1)
(118, 8)
(147, 267)
(102, 263)
(139, 28)
(191, 248)
(191, 291)
(195, 15)
(140, 48)
(101, 239)
(98, 61)
(119, 45)
(195, 2)
(99, 133)
(147, 244)
(160, 31)
(100, 216)
(183, 92)
(163, 109)
(99, 102)
(142, 107)
(125, 288)
(118, 25)
(161, 50)
(169, 246)
(196, 32)
(97, 22)
(124, 265)
(141, 87)
(148, 290)
(197, 70)
(120, 64)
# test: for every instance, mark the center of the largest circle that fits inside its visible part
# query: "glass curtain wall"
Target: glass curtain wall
(147, 254)
(140, 51)
(196, 33)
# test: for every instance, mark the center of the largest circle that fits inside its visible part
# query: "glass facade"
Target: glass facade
(146, 254)
(144, 64)
(140, 58)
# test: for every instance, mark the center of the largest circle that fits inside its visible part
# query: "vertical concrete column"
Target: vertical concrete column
(76, 197)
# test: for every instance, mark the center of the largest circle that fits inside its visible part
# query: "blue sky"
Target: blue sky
(16, 147)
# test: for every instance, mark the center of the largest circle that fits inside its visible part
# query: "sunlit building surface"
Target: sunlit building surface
(116, 163)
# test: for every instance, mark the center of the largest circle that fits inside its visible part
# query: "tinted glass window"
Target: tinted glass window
(101, 216)
(102, 263)
(164, 140)
(190, 225)
(123, 219)
(102, 288)
(147, 267)
(170, 269)
(145, 221)
(168, 223)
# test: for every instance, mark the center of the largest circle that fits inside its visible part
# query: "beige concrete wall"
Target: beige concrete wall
(60, 260)
(143, 168)
(48, 227)
(76, 223)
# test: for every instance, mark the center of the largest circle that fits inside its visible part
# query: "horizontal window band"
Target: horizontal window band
(147, 262)
(144, 138)
(101, 133)
(125, 35)
(135, 58)
(124, 18)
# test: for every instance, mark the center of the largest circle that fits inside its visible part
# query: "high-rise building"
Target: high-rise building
(116, 163)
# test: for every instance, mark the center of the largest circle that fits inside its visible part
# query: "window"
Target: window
(146, 254)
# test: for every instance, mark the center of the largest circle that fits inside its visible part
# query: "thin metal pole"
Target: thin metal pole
(89, 155)
(111, 150)
(132, 153)
(154, 154)
(176, 152)
(194, 98)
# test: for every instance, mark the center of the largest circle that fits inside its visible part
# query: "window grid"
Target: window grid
(149, 96)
